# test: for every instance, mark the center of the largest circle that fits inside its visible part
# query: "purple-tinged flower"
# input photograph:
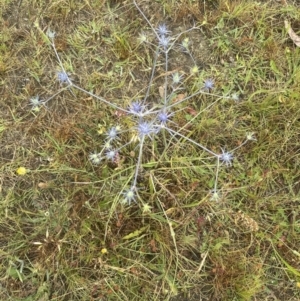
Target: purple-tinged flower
(208, 84)
(111, 154)
(163, 117)
(226, 157)
(145, 128)
(112, 133)
(163, 41)
(63, 77)
(162, 30)
(136, 107)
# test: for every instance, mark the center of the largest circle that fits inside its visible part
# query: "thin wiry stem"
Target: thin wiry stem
(192, 141)
(60, 62)
(65, 88)
(101, 99)
(144, 16)
(152, 75)
(217, 174)
(138, 164)
(193, 95)
(239, 146)
(166, 79)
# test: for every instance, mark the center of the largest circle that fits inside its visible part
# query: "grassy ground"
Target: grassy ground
(63, 234)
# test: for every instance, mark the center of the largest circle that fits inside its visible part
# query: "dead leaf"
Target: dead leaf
(43, 185)
(161, 91)
(292, 34)
(191, 111)
(179, 97)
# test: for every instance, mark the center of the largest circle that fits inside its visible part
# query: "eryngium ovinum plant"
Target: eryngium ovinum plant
(154, 122)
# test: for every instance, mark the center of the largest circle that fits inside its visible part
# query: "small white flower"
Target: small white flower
(95, 158)
(235, 97)
(143, 37)
(215, 196)
(51, 34)
(250, 136)
(35, 102)
(176, 78)
(129, 196)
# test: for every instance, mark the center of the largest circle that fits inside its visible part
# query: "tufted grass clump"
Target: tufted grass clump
(149, 150)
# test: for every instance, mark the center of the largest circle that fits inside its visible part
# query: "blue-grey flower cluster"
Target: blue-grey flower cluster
(150, 119)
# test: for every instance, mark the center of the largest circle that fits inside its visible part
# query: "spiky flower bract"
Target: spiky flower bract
(112, 133)
(129, 196)
(226, 157)
(62, 77)
(145, 128)
(162, 30)
(209, 84)
(136, 107)
(95, 158)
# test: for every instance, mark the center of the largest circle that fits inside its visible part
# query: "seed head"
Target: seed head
(143, 37)
(51, 34)
(235, 97)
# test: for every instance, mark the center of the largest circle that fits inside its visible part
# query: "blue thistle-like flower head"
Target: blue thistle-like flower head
(63, 77)
(145, 128)
(162, 30)
(136, 107)
(226, 157)
(112, 133)
(164, 41)
(209, 84)
(164, 117)
(111, 154)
